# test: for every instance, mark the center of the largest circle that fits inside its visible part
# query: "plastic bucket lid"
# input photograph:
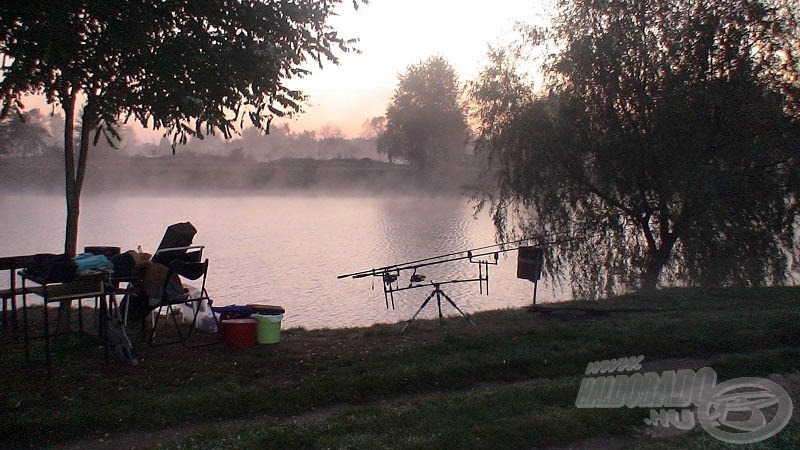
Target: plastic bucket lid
(274, 318)
(269, 310)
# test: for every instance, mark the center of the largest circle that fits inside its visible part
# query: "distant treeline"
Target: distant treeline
(31, 158)
(35, 133)
(189, 171)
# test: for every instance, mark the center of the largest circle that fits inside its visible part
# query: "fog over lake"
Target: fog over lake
(287, 249)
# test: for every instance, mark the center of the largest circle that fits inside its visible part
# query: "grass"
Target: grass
(498, 417)
(525, 415)
(511, 382)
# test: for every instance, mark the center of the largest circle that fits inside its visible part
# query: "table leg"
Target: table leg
(13, 302)
(25, 322)
(46, 331)
(103, 326)
(80, 315)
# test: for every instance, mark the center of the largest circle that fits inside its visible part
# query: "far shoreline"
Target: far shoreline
(233, 176)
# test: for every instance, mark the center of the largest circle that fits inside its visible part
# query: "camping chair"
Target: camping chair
(176, 242)
(182, 263)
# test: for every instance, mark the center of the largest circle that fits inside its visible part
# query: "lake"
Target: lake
(287, 249)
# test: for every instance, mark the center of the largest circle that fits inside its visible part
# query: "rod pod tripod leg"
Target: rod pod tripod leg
(449, 300)
(439, 293)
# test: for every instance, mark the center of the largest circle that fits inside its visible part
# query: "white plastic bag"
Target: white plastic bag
(205, 318)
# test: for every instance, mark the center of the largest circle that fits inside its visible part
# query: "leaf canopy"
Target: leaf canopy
(425, 124)
(188, 67)
(666, 144)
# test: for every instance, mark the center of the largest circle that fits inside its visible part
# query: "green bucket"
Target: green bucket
(269, 328)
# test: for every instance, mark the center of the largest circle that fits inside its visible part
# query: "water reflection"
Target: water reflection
(412, 228)
(288, 249)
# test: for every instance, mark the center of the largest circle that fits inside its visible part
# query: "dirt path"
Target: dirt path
(149, 439)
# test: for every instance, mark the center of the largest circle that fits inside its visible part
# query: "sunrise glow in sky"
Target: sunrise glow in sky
(395, 34)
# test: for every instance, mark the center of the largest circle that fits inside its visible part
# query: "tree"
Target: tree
(188, 67)
(666, 144)
(331, 133)
(24, 134)
(425, 125)
(374, 127)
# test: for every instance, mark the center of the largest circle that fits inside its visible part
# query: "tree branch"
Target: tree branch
(607, 198)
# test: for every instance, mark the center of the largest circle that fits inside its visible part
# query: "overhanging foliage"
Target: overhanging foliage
(666, 144)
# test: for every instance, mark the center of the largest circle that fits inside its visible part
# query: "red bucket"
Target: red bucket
(239, 333)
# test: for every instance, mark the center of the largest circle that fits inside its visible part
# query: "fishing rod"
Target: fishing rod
(530, 263)
(455, 256)
(372, 272)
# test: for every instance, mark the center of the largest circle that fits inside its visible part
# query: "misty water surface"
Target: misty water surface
(288, 249)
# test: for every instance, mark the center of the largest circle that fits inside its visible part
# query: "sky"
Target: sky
(394, 34)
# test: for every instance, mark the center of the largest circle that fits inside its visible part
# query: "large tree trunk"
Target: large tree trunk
(75, 170)
(74, 174)
(652, 273)
(71, 231)
(657, 259)
(71, 196)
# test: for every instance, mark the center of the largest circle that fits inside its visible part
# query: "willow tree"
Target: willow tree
(187, 67)
(665, 144)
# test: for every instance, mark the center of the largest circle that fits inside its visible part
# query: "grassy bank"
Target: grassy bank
(510, 382)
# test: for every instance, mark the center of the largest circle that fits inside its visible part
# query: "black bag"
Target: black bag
(124, 265)
(52, 268)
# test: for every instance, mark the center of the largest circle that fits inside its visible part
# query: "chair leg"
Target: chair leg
(153, 324)
(5, 316)
(195, 311)
(5, 313)
(193, 327)
(170, 316)
(10, 314)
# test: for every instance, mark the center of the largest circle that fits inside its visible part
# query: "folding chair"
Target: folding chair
(177, 240)
(184, 263)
